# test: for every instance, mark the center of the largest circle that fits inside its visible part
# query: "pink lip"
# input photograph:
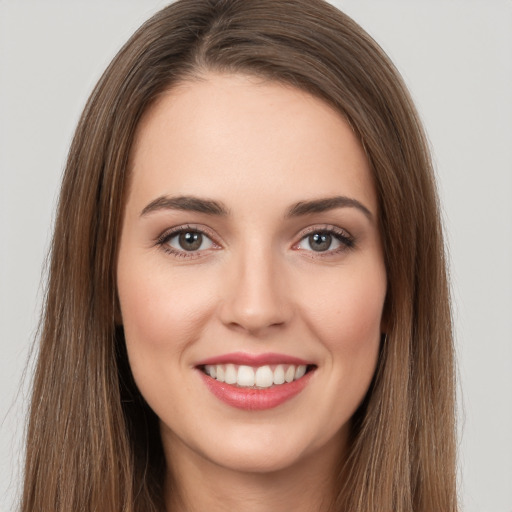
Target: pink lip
(253, 359)
(253, 399)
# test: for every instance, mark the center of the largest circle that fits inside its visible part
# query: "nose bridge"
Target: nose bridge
(256, 297)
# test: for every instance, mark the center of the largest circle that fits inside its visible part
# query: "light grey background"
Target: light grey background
(455, 55)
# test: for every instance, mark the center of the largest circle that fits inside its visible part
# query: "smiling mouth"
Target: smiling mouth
(256, 377)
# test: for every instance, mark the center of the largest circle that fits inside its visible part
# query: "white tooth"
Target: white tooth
(230, 374)
(301, 370)
(264, 377)
(245, 376)
(279, 374)
(219, 371)
(210, 370)
(290, 373)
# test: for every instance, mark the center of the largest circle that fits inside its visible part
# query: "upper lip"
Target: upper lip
(243, 358)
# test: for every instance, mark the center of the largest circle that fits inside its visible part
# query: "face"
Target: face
(250, 273)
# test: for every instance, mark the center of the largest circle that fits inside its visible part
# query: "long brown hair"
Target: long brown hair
(93, 443)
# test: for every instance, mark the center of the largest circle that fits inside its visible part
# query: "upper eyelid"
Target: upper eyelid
(329, 228)
(170, 232)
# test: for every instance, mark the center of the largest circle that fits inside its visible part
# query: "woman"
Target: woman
(247, 305)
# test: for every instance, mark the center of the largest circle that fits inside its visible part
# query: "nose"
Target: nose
(255, 297)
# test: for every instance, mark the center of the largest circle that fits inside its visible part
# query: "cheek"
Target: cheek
(162, 312)
(349, 306)
(346, 318)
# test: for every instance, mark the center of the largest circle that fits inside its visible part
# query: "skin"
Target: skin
(258, 148)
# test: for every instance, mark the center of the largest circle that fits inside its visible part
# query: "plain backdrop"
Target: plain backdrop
(456, 57)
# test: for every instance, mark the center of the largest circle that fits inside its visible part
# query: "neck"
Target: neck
(195, 484)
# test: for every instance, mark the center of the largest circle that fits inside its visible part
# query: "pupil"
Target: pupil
(320, 241)
(190, 241)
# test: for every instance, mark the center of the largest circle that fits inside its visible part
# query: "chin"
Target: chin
(254, 459)
(265, 450)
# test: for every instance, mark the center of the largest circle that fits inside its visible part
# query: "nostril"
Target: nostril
(255, 324)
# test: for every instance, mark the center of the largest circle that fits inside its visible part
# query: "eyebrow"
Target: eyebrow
(326, 204)
(186, 203)
(211, 207)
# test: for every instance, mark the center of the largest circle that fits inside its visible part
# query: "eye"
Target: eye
(326, 241)
(186, 242)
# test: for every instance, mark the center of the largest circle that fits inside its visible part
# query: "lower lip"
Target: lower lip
(252, 399)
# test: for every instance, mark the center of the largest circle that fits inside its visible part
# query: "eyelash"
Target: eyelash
(164, 238)
(347, 241)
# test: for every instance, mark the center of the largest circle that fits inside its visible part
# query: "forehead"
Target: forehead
(238, 136)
